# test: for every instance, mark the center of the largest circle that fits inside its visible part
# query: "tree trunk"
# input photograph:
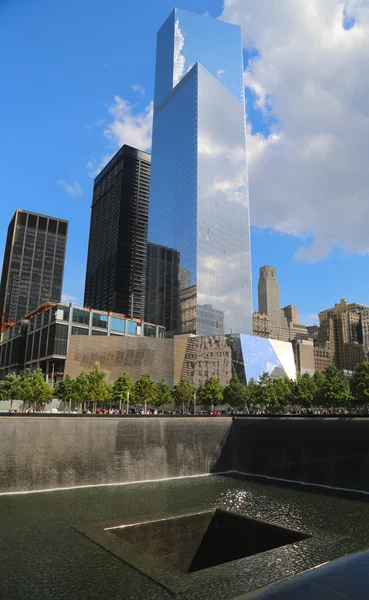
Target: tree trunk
(145, 405)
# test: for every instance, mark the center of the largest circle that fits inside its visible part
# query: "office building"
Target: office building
(116, 262)
(260, 325)
(269, 304)
(199, 188)
(342, 337)
(303, 351)
(162, 287)
(296, 330)
(33, 264)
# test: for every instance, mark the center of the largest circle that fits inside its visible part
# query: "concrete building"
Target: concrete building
(269, 304)
(33, 264)
(116, 261)
(343, 336)
(303, 351)
(295, 329)
(42, 339)
(260, 325)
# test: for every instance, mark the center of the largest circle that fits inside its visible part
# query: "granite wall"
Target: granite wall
(326, 451)
(55, 452)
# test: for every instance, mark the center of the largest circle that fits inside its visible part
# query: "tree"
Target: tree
(163, 394)
(183, 394)
(82, 391)
(255, 393)
(278, 392)
(235, 394)
(10, 388)
(98, 389)
(122, 389)
(360, 384)
(335, 389)
(211, 394)
(34, 387)
(66, 390)
(304, 390)
(144, 390)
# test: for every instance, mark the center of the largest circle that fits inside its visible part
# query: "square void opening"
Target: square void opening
(195, 542)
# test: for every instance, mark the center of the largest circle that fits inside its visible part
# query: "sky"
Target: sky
(77, 82)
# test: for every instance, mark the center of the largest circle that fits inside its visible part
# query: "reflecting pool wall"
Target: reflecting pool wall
(199, 189)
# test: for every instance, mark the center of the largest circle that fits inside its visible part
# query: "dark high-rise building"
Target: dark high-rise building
(162, 287)
(116, 263)
(33, 264)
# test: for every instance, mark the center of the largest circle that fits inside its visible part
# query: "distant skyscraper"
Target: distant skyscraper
(33, 264)
(199, 188)
(268, 298)
(116, 263)
(162, 287)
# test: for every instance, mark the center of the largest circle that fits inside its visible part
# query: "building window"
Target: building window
(99, 320)
(81, 316)
(132, 327)
(79, 331)
(149, 330)
(117, 324)
(96, 332)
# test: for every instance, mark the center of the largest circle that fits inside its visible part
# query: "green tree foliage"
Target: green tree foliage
(82, 391)
(360, 384)
(122, 389)
(335, 389)
(144, 390)
(34, 388)
(183, 394)
(211, 394)
(98, 389)
(255, 394)
(304, 390)
(66, 390)
(163, 395)
(278, 392)
(270, 392)
(10, 388)
(235, 394)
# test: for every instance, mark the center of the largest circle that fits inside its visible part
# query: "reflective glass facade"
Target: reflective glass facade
(199, 192)
(263, 355)
(162, 287)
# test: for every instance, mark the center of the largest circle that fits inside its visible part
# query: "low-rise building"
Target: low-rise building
(42, 338)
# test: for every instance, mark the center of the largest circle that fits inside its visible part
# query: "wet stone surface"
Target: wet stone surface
(57, 544)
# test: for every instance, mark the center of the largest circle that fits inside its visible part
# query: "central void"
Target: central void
(199, 541)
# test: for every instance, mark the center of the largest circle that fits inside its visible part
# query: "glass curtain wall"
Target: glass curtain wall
(199, 194)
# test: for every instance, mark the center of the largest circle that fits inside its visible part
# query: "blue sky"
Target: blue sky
(62, 65)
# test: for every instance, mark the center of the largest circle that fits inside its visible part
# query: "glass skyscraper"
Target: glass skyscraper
(199, 189)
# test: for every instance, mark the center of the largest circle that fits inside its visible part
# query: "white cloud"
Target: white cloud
(137, 87)
(129, 127)
(179, 58)
(126, 126)
(309, 177)
(220, 73)
(73, 189)
(66, 298)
